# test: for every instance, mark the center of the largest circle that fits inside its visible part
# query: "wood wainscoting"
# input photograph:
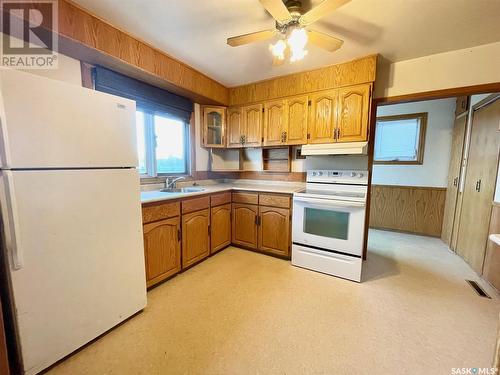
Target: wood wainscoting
(412, 209)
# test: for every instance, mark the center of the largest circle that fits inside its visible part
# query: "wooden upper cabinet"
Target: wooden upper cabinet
(275, 123)
(162, 249)
(296, 120)
(235, 128)
(195, 237)
(244, 226)
(337, 115)
(353, 113)
(220, 225)
(322, 117)
(274, 230)
(252, 123)
(214, 126)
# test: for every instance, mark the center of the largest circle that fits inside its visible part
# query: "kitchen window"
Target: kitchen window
(162, 144)
(400, 139)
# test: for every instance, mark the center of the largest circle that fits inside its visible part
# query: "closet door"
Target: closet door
(479, 185)
(457, 147)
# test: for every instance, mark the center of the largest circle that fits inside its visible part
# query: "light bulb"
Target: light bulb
(297, 41)
(278, 49)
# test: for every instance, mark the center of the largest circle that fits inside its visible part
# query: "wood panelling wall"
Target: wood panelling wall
(491, 269)
(347, 74)
(407, 208)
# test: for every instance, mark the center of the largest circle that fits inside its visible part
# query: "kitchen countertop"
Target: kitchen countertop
(267, 187)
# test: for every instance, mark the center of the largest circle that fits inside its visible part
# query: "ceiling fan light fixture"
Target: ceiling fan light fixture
(297, 41)
(278, 49)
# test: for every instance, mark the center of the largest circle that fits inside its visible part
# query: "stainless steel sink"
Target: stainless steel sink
(183, 190)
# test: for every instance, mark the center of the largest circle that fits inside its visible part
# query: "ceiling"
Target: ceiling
(195, 31)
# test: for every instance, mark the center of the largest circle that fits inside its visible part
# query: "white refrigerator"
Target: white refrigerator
(71, 215)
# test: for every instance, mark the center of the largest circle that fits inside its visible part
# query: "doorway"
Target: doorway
(434, 168)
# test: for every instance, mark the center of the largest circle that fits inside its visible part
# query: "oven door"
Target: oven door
(329, 224)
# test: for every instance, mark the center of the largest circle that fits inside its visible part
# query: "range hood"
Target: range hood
(348, 148)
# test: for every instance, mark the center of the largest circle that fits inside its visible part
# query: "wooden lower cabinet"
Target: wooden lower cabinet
(274, 230)
(220, 227)
(260, 222)
(162, 249)
(244, 231)
(195, 237)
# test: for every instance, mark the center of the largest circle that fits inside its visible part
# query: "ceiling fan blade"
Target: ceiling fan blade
(277, 9)
(325, 41)
(321, 10)
(250, 38)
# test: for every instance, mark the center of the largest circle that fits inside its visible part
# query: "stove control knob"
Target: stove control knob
(360, 175)
(353, 174)
(320, 173)
(314, 173)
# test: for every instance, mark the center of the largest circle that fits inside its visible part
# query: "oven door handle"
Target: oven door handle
(330, 203)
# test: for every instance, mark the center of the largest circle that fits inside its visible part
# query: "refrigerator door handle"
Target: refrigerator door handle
(13, 246)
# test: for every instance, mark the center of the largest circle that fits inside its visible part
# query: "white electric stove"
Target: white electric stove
(329, 223)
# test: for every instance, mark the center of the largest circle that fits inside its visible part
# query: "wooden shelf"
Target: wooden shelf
(277, 159)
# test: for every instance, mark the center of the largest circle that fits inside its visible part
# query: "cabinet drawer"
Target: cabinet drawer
(282, 201)
(250, 198)
(195, 204)
(220, 199)
(160, 211)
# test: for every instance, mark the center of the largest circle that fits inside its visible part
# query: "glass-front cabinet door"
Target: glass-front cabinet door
(214, 124)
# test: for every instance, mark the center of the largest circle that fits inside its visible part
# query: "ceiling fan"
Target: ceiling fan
(291, 25)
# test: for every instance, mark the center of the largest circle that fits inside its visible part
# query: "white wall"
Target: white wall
(434, 170)
(466, 67)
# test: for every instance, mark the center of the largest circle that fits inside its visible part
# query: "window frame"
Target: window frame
(422, 116)
(150, 146)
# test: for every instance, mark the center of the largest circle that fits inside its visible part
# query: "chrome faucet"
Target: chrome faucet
(171, 183)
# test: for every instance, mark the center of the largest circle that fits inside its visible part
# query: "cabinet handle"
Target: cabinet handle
(478, 186)
(337, 133)
(257, 220)
(179, 235)
(455, 181)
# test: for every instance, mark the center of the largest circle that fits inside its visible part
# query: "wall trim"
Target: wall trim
(411, 187)
(439, 94)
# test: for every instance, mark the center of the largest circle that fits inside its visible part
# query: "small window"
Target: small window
(162, 144)
(400, 139)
